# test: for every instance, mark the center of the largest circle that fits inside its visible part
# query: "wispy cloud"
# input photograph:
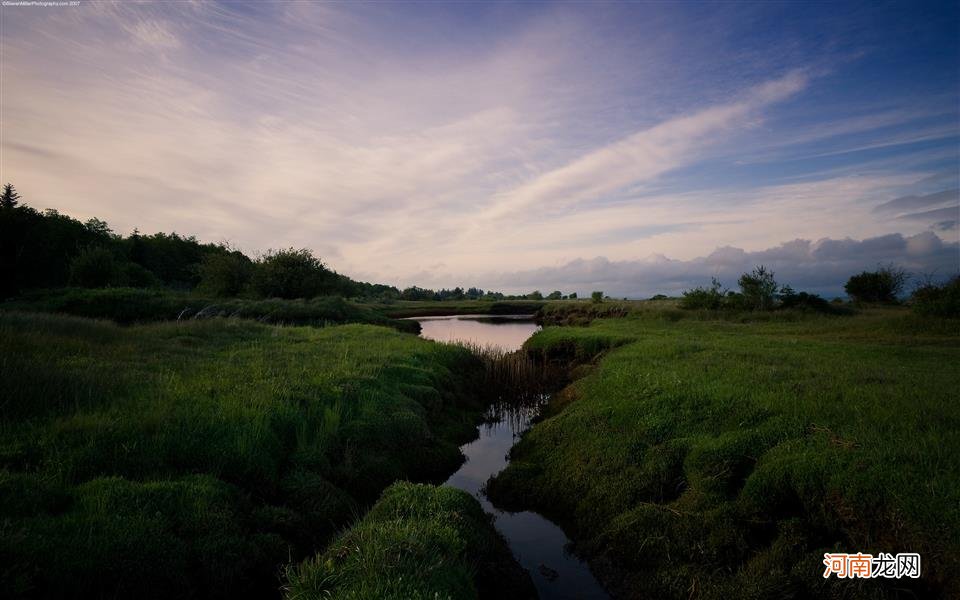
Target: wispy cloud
(433, 145)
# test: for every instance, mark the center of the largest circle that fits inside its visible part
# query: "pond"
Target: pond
(539, 545)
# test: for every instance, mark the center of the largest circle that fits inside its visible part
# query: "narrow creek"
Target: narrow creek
(539, 545)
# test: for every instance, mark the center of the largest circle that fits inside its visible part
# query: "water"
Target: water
(537, 543)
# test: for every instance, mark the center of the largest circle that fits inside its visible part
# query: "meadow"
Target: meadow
(198, 458)
(717, 455)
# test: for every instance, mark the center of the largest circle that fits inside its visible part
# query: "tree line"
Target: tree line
(47, 249)
(759, 290)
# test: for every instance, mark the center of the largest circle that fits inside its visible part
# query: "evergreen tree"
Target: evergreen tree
(10, 197)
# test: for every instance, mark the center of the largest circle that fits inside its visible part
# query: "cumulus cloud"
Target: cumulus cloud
(821, 266)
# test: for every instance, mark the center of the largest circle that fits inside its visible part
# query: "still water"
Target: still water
(538, 544)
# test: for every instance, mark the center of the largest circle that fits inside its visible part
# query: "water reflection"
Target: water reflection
(507, 332)
(537, 543)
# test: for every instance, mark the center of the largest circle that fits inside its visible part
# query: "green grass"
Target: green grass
(418, 308)
(721, 458)
(132, 305)
(417, 542)
(194, 459)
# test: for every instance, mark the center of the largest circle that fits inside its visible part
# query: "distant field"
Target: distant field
(196, 459)
(416, 308)
(721, 458)
(133, 305)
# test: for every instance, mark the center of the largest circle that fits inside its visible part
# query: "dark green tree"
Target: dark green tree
(292, 273)
(224, 274)
(10, 197)
(883, 285)
(758, 288)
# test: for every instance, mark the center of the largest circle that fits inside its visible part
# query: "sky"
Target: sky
(634, 148)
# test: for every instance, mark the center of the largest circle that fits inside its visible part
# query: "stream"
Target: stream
(539, 545)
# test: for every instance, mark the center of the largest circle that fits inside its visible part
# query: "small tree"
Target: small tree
(882, 285)
(709, 298)
(555, 295)
(94, 267)
(572, 296)
(596, 297)
(10, 197)
(535, 295)
(758, 288)
(291, 273)
(224, 274)
(941, 300)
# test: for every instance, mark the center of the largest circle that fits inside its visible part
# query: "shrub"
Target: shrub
(758, 288)
(938, 300)
(224, 275)
(709, 298)
(805, 301)
(94, 267)
(882, 285)
(596, 297)
(290, 274)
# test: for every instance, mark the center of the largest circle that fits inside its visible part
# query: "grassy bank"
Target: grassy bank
(195, 459)
(417, 542)
(131, 305)
(721, 458)
(419, 308)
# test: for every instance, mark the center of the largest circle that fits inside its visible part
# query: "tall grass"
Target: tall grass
(194, 458)
(731, 455)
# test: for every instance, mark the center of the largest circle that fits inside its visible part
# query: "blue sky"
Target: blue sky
(636, 148)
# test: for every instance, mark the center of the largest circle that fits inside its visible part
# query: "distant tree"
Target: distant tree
(883, 285)
(596, 297)
(555, 295)
(758, 288)
(573, 295)
(535, 295)
(941, 300)
(291, 273)
(416, 293)
(709, 298)
(95, 267)
(225, 274)
(98, 227)
(10, 197)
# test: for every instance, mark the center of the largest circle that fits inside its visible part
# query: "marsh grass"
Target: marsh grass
(194, 458)
(729, 455)
(417, 542)
(133, 305)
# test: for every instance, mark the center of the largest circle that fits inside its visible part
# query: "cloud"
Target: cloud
(641, 155)
(913, 202)
(821, 266)
(391, 137)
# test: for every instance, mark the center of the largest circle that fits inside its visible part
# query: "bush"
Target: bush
(883, 285)
(708, 298)
(596, 297)
(938, 300)
(223, 275)
(807, 302)
(94, 267)
(758, 289)
(291, 274)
